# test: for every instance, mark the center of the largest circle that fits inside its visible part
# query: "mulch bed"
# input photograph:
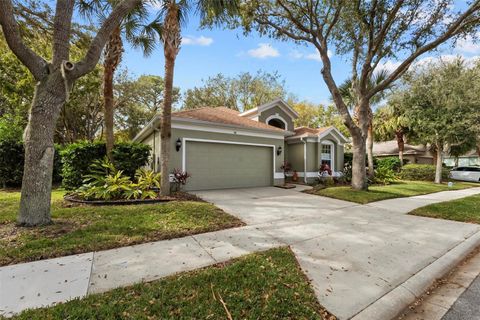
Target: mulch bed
(176, 196)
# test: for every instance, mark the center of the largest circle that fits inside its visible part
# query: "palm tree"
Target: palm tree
(173, 14)
(348, 95)
(138, 33)
(390, 121)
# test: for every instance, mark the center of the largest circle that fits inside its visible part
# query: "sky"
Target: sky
(205, 53)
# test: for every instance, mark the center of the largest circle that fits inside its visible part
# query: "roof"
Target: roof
(225, 116)
(391, 148)
(277, 102)
(309, 132)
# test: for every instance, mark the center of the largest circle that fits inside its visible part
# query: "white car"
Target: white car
(466, 173)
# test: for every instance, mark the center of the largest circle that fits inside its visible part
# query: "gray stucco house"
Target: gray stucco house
(223, 148)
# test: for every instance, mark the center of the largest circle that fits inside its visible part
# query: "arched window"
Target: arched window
(277, 123)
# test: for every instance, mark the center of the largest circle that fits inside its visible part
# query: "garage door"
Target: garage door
(220, 165)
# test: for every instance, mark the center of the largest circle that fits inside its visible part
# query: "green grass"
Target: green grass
(396, 190)
(267, 285)
(78, 229)
(464, 210)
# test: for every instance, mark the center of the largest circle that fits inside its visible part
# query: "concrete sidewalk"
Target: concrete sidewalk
(354, 255)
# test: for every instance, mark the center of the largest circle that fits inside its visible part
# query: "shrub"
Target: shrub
(392, 163)
(180, 178)
(129, 156)
(78, 157)
(384, 175)
(12, 158)
(105, 182)
(424, 172)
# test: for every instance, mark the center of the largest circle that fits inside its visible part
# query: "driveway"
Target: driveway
(353, 254)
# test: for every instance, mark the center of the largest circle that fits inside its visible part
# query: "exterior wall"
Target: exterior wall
(262, 117)
(294, 155)
(153, 140)
(176, 157)
(312, 158)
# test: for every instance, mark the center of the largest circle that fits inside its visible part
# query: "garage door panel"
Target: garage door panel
(220, 165)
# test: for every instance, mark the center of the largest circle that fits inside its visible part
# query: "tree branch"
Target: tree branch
(62, 24)
(34, 63)
(92, 56)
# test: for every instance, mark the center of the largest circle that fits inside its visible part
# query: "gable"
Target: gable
(277, 109)
(278, 114)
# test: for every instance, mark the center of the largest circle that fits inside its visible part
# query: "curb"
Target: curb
(394, 302)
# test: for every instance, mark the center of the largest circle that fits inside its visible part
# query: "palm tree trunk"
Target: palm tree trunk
(401, 145)
(113, 56)
(171, 45)
(371, 171)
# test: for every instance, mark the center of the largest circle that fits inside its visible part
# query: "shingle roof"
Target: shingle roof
(308, 132)
(391, 148)
(223, 115)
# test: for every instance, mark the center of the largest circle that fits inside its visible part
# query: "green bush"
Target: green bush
(424, 172)
(78, 157)
(12, 158)
(384, 175)
(392, 163)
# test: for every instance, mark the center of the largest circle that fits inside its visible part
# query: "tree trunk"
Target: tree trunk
(438, 164)
(401, 145)
(371, 170)
(359, 175)
(50, 96)
(113, 56)
(108, 109)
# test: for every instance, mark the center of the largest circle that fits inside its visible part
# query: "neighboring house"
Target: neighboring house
(411, 154)
(471, 158)
(223, 148)
(422, 155)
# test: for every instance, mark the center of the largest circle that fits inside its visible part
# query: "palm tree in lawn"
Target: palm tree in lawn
(173, 14)
(348, 95)
(390, 121)
(136, 31)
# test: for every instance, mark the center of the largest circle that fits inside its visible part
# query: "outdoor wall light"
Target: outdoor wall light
(279, 151)
(178, 144)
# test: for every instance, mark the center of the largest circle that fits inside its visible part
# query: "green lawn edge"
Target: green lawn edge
(264, 285)
(463, 210)
(400, 189)
(80, 229)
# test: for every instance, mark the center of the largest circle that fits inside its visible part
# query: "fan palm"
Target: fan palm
(136, 31)
(349, 97)
(173, 15)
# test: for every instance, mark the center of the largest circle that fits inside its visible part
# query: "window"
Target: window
(326, 155)
(277, 123)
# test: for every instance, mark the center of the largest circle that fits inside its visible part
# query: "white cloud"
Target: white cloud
(468, 45)
(390, 65)
(264, 50)
(295, 54)
(197, 41)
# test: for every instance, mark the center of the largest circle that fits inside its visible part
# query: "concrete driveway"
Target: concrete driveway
(356, 255)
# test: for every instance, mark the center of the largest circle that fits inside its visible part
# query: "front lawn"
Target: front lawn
(81, 228)
(268, 285)
(398, 189)
(464, 210)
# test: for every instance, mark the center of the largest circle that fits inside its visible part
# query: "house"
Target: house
(223, 148)
(421, 154)
(411, 154)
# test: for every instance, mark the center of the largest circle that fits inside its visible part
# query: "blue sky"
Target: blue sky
(205, 53)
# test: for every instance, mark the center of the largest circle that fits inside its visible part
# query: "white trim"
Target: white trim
(227, 131)
(278, 117)
(278, 175)
(184, 148)
(310, 174)
(323, 134)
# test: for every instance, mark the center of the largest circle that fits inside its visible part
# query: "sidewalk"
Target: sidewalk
(380, 251)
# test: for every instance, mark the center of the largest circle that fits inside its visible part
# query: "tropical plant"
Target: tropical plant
(173, 14)
(384, 175)
(180, 178)
(148, 179)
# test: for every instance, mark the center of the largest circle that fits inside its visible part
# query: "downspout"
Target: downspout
(304, 160)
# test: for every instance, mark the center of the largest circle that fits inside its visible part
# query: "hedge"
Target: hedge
(391, 163)
(12, 159)
(77, 158)
(424, 172)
